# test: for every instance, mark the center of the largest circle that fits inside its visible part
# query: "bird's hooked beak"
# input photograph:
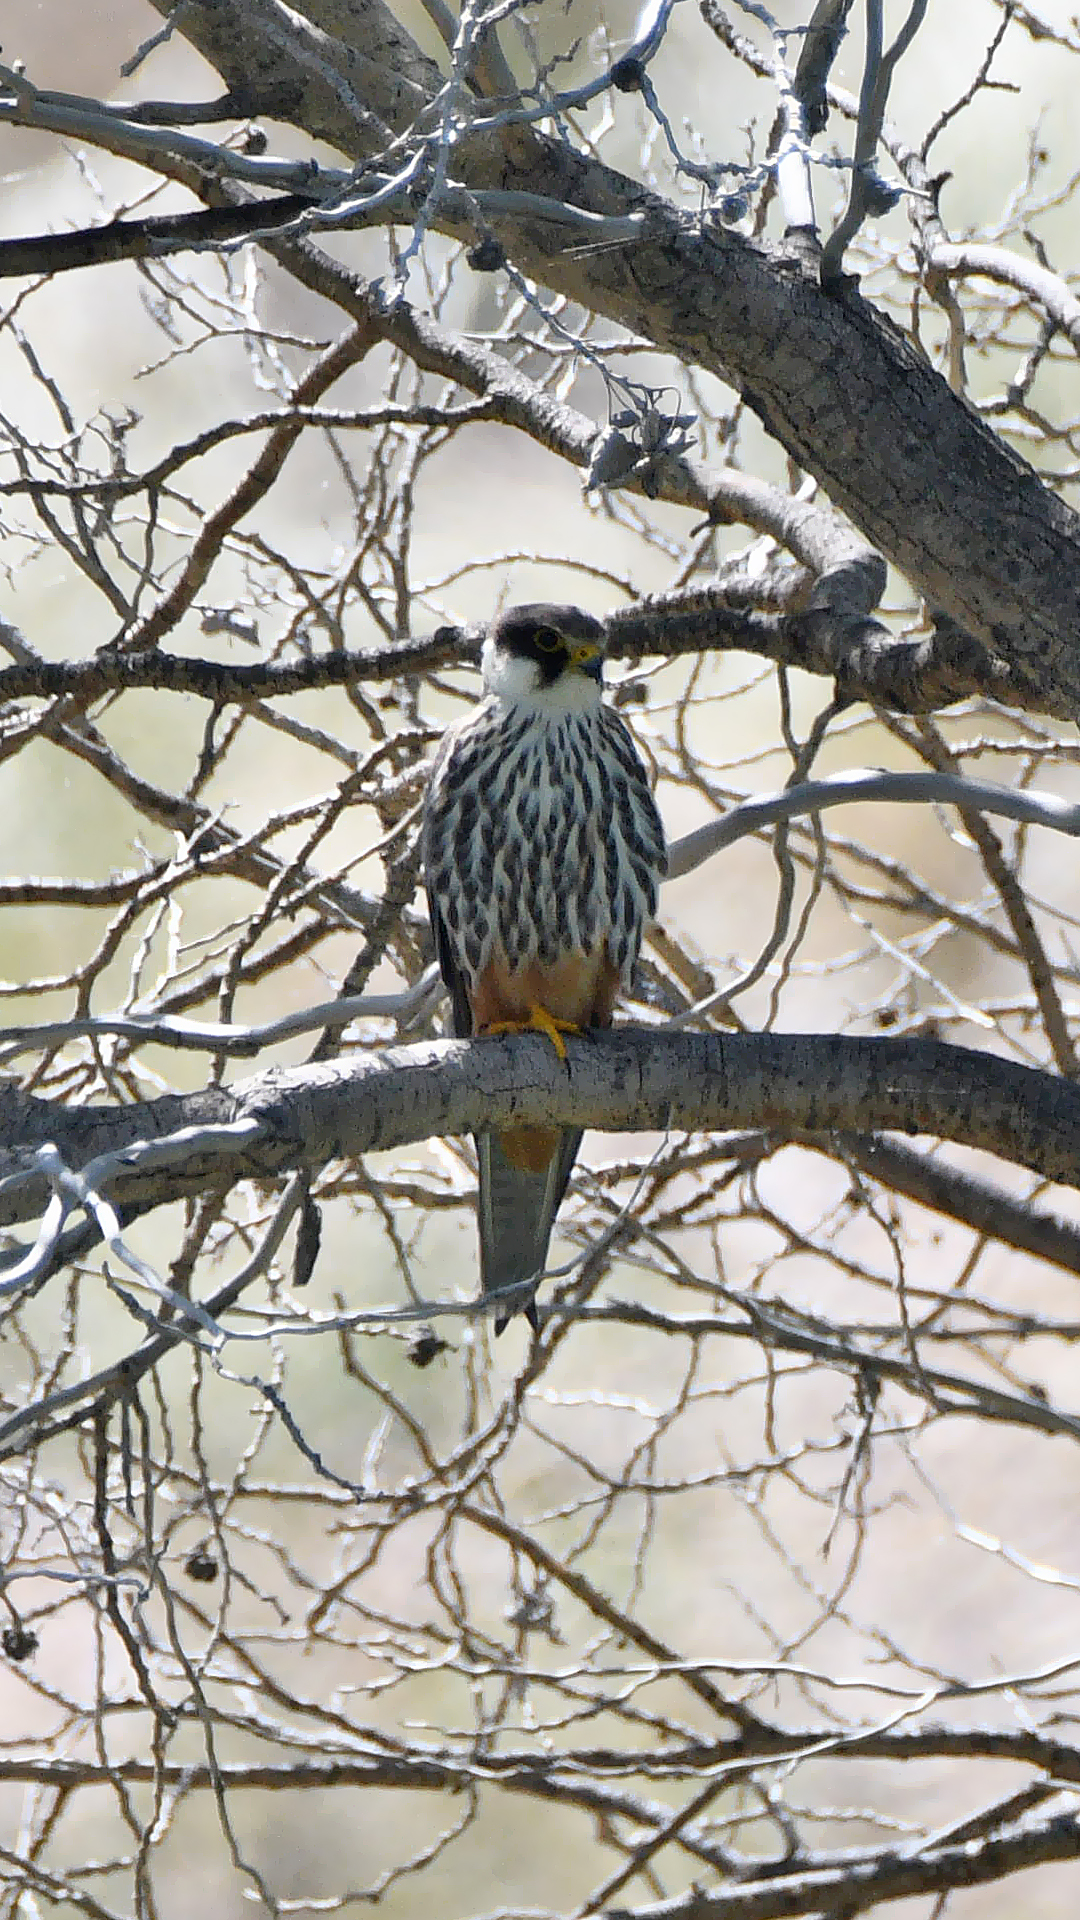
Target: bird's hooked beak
(587, 657)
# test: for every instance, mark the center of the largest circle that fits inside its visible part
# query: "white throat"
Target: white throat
(515, 682)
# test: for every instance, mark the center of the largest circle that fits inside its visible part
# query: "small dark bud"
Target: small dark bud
(18, 1642)
(201, 1565)
(732, 207)
(487, 256)
(425, 1347)
(627, 75)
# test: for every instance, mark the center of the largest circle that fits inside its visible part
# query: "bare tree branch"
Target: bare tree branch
(796, 1083)
(718, 1589)
(1003, 564)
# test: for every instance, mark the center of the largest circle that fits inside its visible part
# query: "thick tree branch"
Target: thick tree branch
(946, 1189)
(792, 1084)
(898, 1875)
(974, 529)
(151, 238)
(913, 676)
(734, 1345)
(1003, 577)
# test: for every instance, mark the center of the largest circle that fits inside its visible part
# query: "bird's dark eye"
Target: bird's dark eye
(549, 641)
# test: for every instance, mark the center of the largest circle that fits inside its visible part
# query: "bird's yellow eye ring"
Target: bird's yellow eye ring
(549, 641)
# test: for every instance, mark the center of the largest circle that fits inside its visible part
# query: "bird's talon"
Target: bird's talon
(539, 1021)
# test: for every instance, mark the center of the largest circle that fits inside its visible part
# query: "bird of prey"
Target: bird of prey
(543, 851)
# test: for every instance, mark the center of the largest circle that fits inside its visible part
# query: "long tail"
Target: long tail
(516, 1212)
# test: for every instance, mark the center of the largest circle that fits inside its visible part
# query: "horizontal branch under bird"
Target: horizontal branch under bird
(631, 1079)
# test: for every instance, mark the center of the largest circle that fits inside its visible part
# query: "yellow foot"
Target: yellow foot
(539, 1021)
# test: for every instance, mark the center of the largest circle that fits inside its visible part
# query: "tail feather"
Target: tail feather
(517, 1208)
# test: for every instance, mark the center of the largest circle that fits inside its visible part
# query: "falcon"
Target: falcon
(542, 852)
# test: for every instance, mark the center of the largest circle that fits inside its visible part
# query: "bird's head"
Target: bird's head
(532, 649)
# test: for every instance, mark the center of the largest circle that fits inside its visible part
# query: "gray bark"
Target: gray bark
(795, 1085)
(972, 527)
